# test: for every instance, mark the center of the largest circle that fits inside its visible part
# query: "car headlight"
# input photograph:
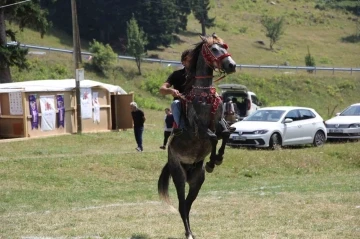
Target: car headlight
(354, 126)
(262, 131)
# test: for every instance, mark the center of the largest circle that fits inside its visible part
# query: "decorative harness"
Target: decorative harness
(198, 92)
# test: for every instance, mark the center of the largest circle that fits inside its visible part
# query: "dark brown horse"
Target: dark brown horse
(204, 123)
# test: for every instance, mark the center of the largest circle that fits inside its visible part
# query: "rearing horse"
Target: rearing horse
(203, 109)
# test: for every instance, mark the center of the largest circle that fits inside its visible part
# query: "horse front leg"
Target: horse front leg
(224, 130)
(213, 157)
(220, 156)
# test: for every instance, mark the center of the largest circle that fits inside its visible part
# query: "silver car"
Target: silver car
(345, 125)
(274, 127)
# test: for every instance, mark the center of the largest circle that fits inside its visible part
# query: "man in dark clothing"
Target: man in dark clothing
(177, 80)
(138, 119)
(169, 121)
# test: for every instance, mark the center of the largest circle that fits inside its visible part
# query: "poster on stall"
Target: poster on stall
(61, 111)
(33, 112)
(48, 113)
(96, 107)
(86, 103)
(15, 101)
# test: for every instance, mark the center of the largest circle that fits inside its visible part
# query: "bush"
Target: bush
(309, 61)
(154, 79)
(104, 58)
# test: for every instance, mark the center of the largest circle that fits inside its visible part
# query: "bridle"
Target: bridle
(198, 92)
(209, 58)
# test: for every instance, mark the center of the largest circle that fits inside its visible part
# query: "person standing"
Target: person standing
(138, 117)
(169, 121)
(229, 111)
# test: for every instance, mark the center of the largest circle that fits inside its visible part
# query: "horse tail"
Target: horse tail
(163, 183)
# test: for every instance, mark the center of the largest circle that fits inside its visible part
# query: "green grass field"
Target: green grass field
(98, 186)
(238, 22)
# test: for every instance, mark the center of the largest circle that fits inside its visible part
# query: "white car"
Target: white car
(274, 127)
(345, 125)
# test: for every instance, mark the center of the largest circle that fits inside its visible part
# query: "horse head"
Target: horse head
(216, 55)
(209, 55)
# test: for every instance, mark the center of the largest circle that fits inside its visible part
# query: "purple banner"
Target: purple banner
(61, 109)
(34, 112)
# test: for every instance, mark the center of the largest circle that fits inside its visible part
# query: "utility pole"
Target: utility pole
(77, 60)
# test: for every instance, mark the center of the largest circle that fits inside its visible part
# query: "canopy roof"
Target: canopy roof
(55, 85)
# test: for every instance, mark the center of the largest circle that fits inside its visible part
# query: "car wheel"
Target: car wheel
(319, 139)
(275, 141)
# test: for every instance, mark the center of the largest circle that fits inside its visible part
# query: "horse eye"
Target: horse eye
(214, 49)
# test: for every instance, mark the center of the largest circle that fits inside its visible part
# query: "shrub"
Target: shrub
(154, 79)
(309, 60)
(103, 59)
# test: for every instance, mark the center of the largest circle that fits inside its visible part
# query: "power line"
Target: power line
(14, 4)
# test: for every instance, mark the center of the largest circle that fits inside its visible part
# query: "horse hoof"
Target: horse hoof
(208, 168)
(218, 162)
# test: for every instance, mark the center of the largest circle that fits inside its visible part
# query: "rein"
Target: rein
(209, 58)
(208, 95)
(205, 77)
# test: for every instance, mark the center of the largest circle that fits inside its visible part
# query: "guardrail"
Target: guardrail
(274, 67)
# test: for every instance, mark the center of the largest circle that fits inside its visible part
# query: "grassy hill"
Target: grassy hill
(327, 33)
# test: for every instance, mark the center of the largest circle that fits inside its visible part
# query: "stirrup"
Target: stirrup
(211, 134)
(177, 131)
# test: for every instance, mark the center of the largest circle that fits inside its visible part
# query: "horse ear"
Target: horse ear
(203, 38)
(214, 35)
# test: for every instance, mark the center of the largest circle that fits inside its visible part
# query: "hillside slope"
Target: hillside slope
(238, 23)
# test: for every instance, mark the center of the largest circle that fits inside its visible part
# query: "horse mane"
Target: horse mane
(194, 56)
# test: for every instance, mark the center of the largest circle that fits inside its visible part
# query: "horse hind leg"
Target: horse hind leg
(196, 178)
(179, 179)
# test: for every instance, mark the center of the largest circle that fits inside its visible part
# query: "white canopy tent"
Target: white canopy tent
(56, 85)
(16, 118)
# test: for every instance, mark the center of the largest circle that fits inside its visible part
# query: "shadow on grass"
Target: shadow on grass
(143, 236)
(139, 236)
(189, 33)
(351, 39)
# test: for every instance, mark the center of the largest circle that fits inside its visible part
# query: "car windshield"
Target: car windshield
(265, 115)
(351, 111)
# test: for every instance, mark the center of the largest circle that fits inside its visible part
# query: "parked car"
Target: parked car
(245, 100)
(345, 125)
(274, 127)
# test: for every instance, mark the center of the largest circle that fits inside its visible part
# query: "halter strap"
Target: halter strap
(209, 58)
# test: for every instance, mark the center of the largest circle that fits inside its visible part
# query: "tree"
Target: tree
(105, 20)
(159, 21)
(28, 14)
(184, 9)
(200, 10)
(104, 58)
(274, 27)
(309, 60)
(136, 41)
